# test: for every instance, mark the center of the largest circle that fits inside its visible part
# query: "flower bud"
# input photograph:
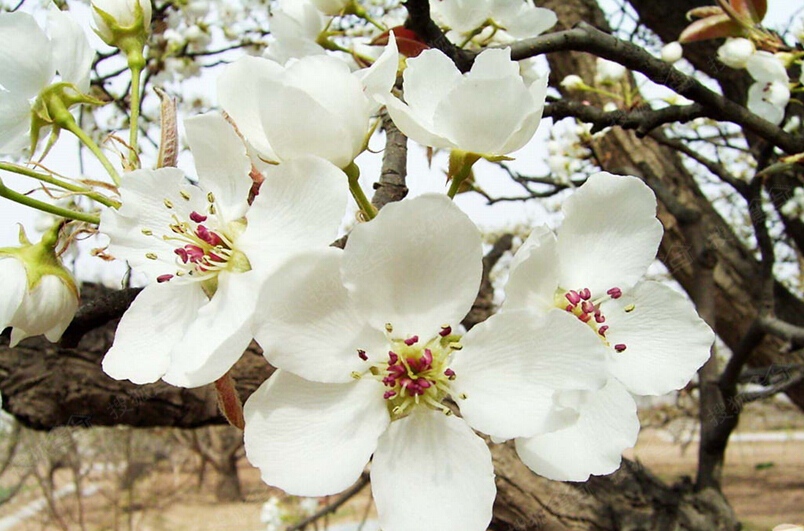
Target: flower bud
(736, 52)
(573, 82)
(609, 71)
(123, 24)
(672, 52)
(39, 294)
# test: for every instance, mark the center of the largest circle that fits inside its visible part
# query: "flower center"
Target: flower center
(200, 252)
(415, 372)
(582, 305)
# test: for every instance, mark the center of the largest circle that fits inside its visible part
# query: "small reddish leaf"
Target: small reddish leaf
(753, 10)
(408, 43)
(711, 28)
(703, 12)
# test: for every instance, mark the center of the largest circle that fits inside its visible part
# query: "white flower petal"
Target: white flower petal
(239, 89)
(300, 206)
(607, 425)
(309, 325)
(512, 363)
(428, 79)
(221, 161)
(313, 439)
(462, 15)
(47, 309)
(217, 338)
(26, 57)
(72, 54)
(528, 21)
(610, 234)
(316, 131)
(765, 66)
(430, 471)
(15, 123)
(380, 77)
(534, 274)
(413, 126)
(154, 323)
(15, 284)
(666, 341)
(531, 122)
(417, 265)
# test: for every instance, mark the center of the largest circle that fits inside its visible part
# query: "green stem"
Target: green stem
(93, 147)
(49, 179)
(361, 12)
(136, 71)
(460, 177)
(46, 207)
(353, 173)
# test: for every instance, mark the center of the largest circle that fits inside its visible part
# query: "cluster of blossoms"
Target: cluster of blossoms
(769, 94)
(372, 361)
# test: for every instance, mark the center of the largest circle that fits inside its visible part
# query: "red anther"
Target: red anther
(182, 254)
(584, 317)
(414, 364)
(619, 347)
(588, 307)
(362, 354)
(445, 331)
(569, 307)
(427, 358)
(164, 278)
(411, 340)
(198, 218)
(573, 297)
(390, 381)
(389, 394)
(424, 384)
(602, 330)
(404, 383)
(615, 293)
(216, 258)
(585, 294)
(397, 370)
(449, 373)
(599, 318)
(194, 253)
(392, 358)
(208, 236)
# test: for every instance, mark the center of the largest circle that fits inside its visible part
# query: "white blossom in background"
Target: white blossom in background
(32, 60)
(446, 109)
(295, 26)
(207, 250)
(519, 19)
(672, 52)
(735, 52)
(309, 506)
(572, 82)
(608, 72)
(39, 295)
(654, 339)
(366, 342)
(272, 514)
(769, 94)
(333, 7)
(312, 106)
(794, 207)
(567, 152)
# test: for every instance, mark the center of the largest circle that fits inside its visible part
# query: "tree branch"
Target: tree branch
(585, 38)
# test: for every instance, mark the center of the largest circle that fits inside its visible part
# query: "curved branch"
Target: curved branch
(585, 38)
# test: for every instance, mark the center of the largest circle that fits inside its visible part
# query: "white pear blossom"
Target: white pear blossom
(592, 270)
(769, 95)
(794, 206)
(39, 295)
(672, 52)
(295, 26)
(312, 106)
(31, 61)
(332, 7)
(367, 345)
(123, 12)
(518, 18)
(208, 250)
(735, 52)
(608, 72)
(445, 109)
(572, 82)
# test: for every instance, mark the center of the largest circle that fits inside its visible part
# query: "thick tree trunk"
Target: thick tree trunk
(228, 487)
